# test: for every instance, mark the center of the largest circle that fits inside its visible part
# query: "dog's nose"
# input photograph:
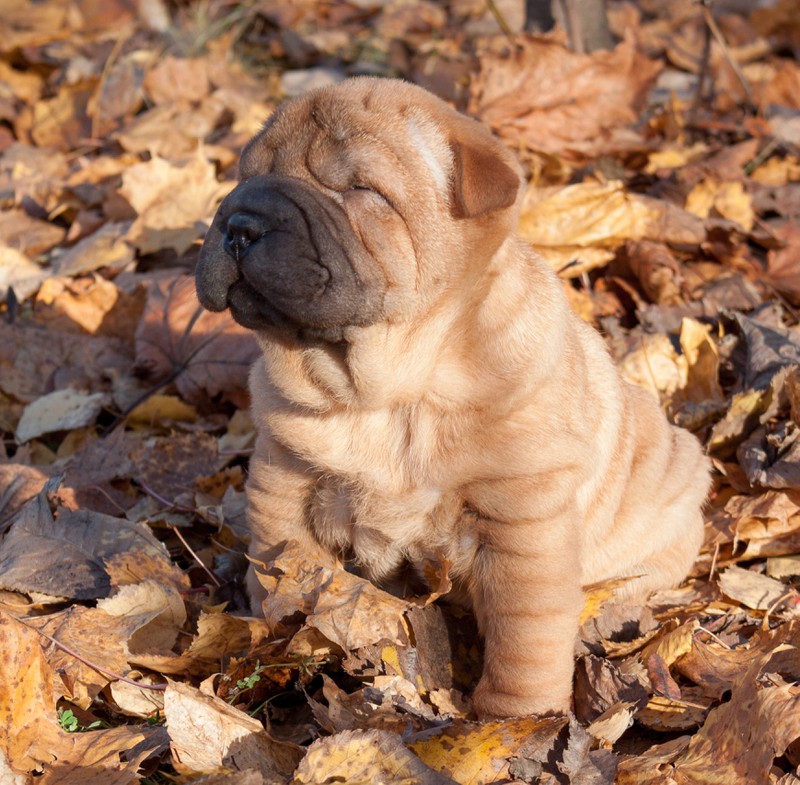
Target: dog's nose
(242, 230)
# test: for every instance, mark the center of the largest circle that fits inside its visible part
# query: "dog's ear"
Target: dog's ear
(484, 175)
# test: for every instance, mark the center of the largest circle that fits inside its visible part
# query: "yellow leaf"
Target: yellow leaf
(702, 356)
(478, 752)
(359, 757)
(729, 199)
(674, 157)
(161, 408)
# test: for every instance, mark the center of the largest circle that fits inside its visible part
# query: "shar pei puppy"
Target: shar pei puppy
(425, 391)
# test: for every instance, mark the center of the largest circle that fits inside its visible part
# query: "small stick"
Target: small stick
(705, 59)
(782, 598)
(195, 556)
(717, 33)
(501, 21)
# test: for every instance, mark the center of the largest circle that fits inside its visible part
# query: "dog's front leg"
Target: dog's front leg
(278, 492)
(527, 597)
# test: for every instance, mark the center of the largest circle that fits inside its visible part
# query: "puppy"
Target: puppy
(425, 391)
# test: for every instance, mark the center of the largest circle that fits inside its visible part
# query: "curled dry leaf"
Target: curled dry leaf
(154, 615)
(207, 734)
(751, 589)
(91, 634)
(207, 354)
(741, 738)
(569, 219)
(349, 611)
(219, 635)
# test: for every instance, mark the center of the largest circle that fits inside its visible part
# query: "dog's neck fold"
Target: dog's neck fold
(436, 356)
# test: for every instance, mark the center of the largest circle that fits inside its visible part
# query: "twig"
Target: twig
(501, 21)
(705, 59)
(166, 502)
(714, 562)
(575, 25)
(715, 637)
(88, 664)
(717, 33)
(782, 598)
(196, 557)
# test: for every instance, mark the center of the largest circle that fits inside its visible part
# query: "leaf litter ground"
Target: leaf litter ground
(664, 186)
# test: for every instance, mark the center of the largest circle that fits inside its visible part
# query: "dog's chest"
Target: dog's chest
(385, 479)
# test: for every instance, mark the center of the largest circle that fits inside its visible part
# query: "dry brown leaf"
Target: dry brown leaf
(67, 304)
(654, 766)
(702, 363)
(741, 738)
(64, 556)
(207, 734)
(655, 365)
(61, 410)
(30, 236)
(19, 273)
(172, 202)
(717, 668)
(206, 353)
(657, 270)
(62, 121)
(783, 265)
(541, 97)
(219, 635)
(665, 715)
(728, 200)
(178, 79)
(601, 215)
(154, 615)
(751, 589)
(104, 248)
(93, 635)
(167, 467)
(34, 361)
(349, 611)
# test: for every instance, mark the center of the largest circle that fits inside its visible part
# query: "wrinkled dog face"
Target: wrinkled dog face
(321, 234)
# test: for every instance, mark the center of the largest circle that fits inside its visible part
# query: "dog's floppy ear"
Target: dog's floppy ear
(484, 178)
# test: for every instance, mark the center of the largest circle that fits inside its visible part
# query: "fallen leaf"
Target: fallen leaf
(205, 353)
(741, 738)
(601, 214)
(171, 202)
(349, 611)
(219, 635)
(729, 200)
(363, 758)
(480, 752)
(77, 305)
(64, 556)
(207, 734)
(153, 613)
(30, 236)
(541, 97)
(31, 739)
(750, 588)
(59, 411)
